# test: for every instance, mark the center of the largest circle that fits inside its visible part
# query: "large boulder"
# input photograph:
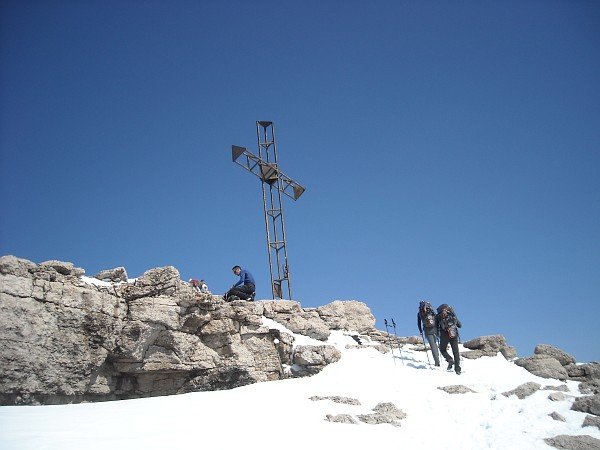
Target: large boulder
(590, 382)
(488, 346)
(302, 321)
(153, 283)
(591, 421)
(348, 315)
(543, 366)
(11, 265)
(548, 350)
(116, 275)
(589, 404)
(64, 268)
(311, 359)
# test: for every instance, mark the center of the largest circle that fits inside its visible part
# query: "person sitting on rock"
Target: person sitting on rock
(244, 289)
(199, 286)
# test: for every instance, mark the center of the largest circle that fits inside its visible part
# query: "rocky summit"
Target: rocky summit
(66, 338)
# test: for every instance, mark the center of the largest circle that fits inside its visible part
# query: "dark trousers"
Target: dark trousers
(244, 292)
(444, 341)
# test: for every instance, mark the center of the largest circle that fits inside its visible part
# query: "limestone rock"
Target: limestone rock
(589, 404)
(163, 281)
(582, 442)
(561, 388)
(311, 359)
(557, 397)
(509, 353)
(116, 275)
(563, 358)
(291, 315)
(11, 265)
(489, 346)
(456, 389)
(473, 354)
(348, 315)
(56, 340)
(524, 390)
(384, 413)
(575, 371)
(308, 324)
(592, 421)
(336, 399)
(543, 366)
(312, 355)
(557, 416)
(341, 418)
(67, 341)
(591, 381)
(64, 268)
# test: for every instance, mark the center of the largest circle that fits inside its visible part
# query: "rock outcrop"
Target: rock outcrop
(489, 346)
(65, 339)
(551, 362)
(543, 366)
(524, 390)
(566, 442)
(588, 404)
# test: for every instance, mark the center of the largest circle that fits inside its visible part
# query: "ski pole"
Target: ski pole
(397, 342)
(428, 361)
(389, 339)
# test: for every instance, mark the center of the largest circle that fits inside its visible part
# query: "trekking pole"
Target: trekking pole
(397, 342)
(428, 361)
(389, 339)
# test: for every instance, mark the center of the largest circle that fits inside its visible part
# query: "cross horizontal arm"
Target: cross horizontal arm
(267, 172)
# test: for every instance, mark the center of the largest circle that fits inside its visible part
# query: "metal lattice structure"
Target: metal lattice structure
(274, 183)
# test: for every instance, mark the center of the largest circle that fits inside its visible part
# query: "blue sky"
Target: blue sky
(450, 150)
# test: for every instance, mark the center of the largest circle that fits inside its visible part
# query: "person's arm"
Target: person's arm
(419, 323)
(241, 280)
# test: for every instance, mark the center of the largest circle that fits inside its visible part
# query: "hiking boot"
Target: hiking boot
(450, 365)
(437, 364)
(457, 370)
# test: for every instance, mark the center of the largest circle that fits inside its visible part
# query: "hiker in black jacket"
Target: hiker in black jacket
(448, 325)
(427, 321)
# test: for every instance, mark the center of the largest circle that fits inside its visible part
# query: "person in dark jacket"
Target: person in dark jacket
(244, 289)
(448, 325)
(429, 325)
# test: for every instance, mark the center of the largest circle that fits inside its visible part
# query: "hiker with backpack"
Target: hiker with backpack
(244, 289)
(426, 321)
(448, 325)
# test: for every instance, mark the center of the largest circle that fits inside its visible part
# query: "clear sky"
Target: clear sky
(450, 150)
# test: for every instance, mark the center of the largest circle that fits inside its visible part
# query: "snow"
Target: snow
(280, 413)
(97, 282)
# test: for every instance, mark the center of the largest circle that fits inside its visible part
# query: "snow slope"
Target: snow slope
(280, 414)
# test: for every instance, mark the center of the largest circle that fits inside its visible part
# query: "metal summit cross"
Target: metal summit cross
(274, 183)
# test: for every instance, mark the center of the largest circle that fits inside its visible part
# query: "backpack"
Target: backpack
(427, 314)
(448, 320)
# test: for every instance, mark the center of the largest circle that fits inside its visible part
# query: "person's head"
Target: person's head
(236, 269)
